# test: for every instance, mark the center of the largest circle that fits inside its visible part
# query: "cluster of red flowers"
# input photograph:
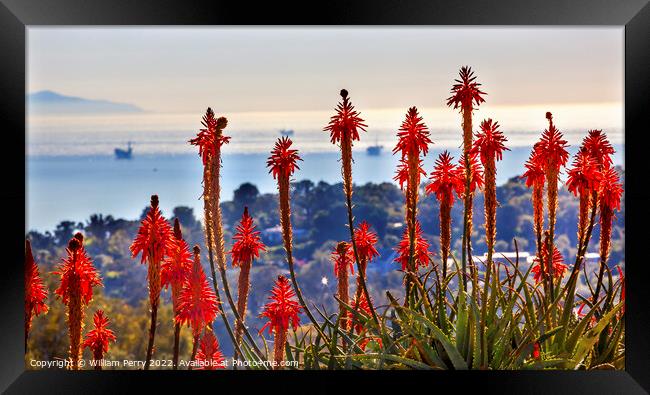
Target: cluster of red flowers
(35, 291)
(413, 136)
(489, 143)
(177, 265)
(283, 159)
(154, 235)
(447, 178)
(247, 245)
(282, 309)
(197, 302)
(466, 90)
(78, 274)
(343, 258)
(344, 126)
(98, 338)
(365, 240)
(421, 254)
(556, 269)
(210, 137)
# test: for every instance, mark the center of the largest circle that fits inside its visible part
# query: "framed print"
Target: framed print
(356, 196)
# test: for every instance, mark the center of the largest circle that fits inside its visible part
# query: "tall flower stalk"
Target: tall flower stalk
(174, 272)
(78, 277)
(609, 201)
(413, 144)
(343, 260)
(420, 256)
(152, 241)
(365, 240)
(99, 338)
(489, 145)
(210, 140)
(536, 178)
(282, 164)
(447, 178)
(466, 95)
(281, 311)
(344, 129)
(582, 180)
(35, 291)
(247, 246)
(197, 302)
(553, 154)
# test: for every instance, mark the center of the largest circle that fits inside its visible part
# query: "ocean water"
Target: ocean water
(71, 172)
(74, 187)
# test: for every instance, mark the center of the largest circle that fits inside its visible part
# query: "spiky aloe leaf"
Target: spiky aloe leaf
(590, 338)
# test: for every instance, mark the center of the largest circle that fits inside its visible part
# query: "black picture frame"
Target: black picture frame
(634, 15)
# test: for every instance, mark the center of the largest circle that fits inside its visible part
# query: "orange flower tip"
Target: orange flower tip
(344, 93)
(74, 244)
(341, 247)
(196, 249)
(549, 116)
(178, 234)
(154, 201)
(246, 211)
(79, 237)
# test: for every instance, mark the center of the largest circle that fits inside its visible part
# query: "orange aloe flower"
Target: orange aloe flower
(598, 148)
(582, 180)
(536, 178)
(281, 311)
(247, 246)
(210, 140)
(152, 241)
(447, 179)
(174, 272)
(556, 268)
(366, 240)
(421, 254)
(197, 302)
(209, 356)
(78, 277)
(35, 291)
(489, 144)
(413, 144)
(99, 338)
(609, 201)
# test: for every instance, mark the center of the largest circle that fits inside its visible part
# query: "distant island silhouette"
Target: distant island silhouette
(48, 102)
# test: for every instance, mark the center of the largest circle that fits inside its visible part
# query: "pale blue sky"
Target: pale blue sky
(282, 69)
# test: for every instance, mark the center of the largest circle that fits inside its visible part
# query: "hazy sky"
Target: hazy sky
(280, 69)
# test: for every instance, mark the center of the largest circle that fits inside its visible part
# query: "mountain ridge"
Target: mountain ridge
(51, 102)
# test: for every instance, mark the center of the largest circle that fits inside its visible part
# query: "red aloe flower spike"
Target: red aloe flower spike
(345, 125)
(177, 265)
(447, 179)
(609, 200)
(536, 353)
(421, 251)
(211, 137)
(366, 240)
(247, 246)
(466, 90)
(197, 302)
(35, 291)
(343, 259)
(174, 271)
(209, 356)
(283, 159)
(536, 177)
(281, 311)
(489, 144)
(582, 181)
(153, 241)
(465, 94)
(99, 338)
(413, 140)
(556, 269)
(413, 136)
(599, 148)
(78, 277)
